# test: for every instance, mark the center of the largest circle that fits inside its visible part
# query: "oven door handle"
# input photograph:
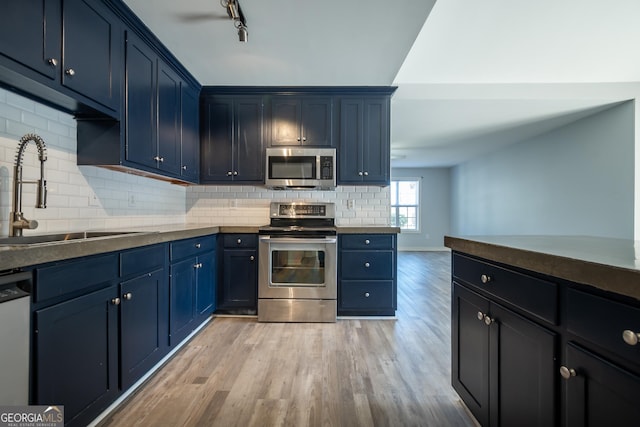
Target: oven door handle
(268, 239)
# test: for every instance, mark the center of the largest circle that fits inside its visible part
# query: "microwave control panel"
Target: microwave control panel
(326, 167)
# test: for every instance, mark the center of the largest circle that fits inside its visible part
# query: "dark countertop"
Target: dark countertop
(27, 255)
(604, 263)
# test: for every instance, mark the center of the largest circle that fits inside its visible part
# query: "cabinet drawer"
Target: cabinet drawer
(367, 264)
(73, 276)
(603, 322)
(240, 241)
(533, 295)
(141, 260)
(192, 247)
(358, 294)
(367, 241)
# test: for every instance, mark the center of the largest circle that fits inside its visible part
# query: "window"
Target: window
(405, 201)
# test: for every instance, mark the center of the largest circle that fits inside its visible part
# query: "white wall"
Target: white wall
(576, 180)
(70, 187)
(435, 212)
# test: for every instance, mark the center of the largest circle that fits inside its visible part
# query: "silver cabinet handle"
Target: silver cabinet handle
(53, 62)
(229, 173)
(567, 373)
(630, 337)
(198, 265)
(198, 245)
(158, 159)
(367, 265)
(367, 241)
(366, 173)
(70, 72)
(360, 173)
(304, 138)
(115, 301)
(485, 278)
(252, 258)
(366, 294)
(485, 318)
(235, 173)
(239, 241)
(184, 167)
(127, 296)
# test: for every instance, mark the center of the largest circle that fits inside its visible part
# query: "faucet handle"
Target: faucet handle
(31, 224)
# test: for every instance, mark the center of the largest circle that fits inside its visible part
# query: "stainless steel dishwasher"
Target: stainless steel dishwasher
(14, 337)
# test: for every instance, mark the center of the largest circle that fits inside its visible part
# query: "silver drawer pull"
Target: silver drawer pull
(630, 337)
(367, 265)
(366, 294)
(488, 320)
(239, 241)
(567, 373)
(53, 62)
(480, 315)
(115, 301)
(70, 72)
(252, 258)
(127, 296)
(485, 278)
(198, 245)
(367, 241)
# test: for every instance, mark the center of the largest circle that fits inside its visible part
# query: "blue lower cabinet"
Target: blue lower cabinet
(367, 284)
(192, 285)
(76, 355)
(143, 331)
(238, 279)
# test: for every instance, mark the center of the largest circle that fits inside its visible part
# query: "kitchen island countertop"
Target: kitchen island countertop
(605, 263)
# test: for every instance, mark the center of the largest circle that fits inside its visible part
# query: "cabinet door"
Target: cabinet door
(141, 143)
(30, 34)
(168, 130)
(522, 372)
(190, 143)
(248, 139)
(364, 141)
(182, 300)
(217, 140)
(375, 154)
(351, 167)
(470, 351)
(76, 355)
(317, 121)
(286, 115)
(206, 285)
(600, 394)
(240, 282)
(92, 51)
(141, 319)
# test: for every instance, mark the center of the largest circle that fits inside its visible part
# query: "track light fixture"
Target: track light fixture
(239, 22)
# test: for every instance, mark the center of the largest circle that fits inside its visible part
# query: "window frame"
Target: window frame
(417, 180)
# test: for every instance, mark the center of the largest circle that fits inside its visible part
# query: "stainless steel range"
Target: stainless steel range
(297, 273)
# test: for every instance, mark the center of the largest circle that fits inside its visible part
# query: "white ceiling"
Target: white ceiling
(472, 75)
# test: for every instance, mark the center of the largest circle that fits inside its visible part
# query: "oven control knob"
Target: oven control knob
(366, 264)
(366, 294)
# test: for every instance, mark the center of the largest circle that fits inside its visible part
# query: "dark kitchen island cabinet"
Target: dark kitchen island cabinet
(367, 282)
(531, 348)
(238, 290)
(46, 50)
(232, 139)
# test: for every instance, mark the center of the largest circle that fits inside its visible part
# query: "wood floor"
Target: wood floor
(238, 372)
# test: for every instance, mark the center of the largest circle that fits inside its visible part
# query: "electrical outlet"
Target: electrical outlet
(93, 199)
(349, 203)
(131, 200)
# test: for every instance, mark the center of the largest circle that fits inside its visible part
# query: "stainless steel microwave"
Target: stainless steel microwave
(300, 168)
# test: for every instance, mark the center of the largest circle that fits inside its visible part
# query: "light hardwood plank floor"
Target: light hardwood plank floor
(238, 372)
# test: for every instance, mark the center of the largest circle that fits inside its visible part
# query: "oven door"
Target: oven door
(297, 267)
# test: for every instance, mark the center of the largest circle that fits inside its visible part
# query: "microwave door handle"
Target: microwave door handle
(297, 239)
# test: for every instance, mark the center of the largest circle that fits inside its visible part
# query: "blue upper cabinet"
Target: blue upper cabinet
(364, 149)
(302, 120)
(83, 67)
